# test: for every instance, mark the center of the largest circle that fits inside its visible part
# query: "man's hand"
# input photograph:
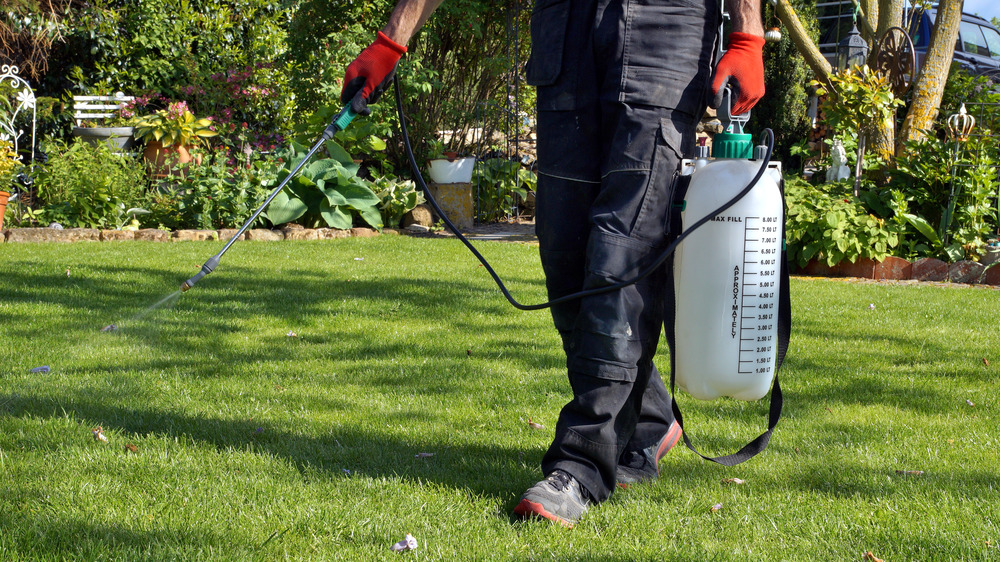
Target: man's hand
(370, 74)
(742, 68)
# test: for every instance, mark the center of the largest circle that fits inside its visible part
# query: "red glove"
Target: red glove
(742, 68)
(369, 75)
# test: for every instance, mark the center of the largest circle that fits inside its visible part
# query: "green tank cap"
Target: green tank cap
(732, 145)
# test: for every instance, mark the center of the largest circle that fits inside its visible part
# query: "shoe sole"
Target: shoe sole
(528, 508)
(669, 440)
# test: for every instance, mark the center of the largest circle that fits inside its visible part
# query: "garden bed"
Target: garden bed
(26, 235)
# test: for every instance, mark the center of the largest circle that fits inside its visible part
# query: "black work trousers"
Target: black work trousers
(621, 86)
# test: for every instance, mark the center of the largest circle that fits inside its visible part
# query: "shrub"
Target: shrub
(828, 223)
(89, 186)
(215, 194)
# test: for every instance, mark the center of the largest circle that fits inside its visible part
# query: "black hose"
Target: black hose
(589, 292)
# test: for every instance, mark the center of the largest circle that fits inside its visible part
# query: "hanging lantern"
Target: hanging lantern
(773, 35)
(960, 124)
(853, 50)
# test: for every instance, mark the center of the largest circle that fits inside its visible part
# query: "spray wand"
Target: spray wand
(337, 124)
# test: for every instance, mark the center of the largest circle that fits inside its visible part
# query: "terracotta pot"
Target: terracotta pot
(3, 205)
(163, 160)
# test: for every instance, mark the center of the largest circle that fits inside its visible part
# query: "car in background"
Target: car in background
(977, 48)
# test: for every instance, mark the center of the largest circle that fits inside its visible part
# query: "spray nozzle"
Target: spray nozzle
(207, 268)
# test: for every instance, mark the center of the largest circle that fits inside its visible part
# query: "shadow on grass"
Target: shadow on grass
(489, 471)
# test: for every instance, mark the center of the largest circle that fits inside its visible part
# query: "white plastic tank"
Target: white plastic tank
(726, 281)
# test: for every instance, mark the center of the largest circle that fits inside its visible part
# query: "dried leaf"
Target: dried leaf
(98, 433)
(42, 369)
(910, 472)
(872, 558)
(715, 508)
(986, 362)
(424, 455)
(468, 352)
(132, 448)
(408, 543)
(535, 425)
(109, 328)
(733, 481)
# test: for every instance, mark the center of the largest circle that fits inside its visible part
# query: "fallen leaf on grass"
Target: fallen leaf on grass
(986, 362)
(42, 369)
(424, 455)
(733, 481)
(910, 472)
(131, 448)
(468, 352)
(98, 433)
(872, 557)
(535, 425)
(408, 543)
(715, 508)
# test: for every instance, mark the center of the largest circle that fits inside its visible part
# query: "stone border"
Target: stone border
(898, 269)
(30, 235)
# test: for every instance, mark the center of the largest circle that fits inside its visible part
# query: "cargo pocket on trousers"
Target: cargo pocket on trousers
(549, 23)
(653, 219)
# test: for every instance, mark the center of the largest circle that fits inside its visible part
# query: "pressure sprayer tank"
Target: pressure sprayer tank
(726, 275)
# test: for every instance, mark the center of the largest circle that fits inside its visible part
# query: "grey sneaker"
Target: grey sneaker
(639, 466)
(558, 498)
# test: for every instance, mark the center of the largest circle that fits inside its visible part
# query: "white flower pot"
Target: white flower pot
(459, 170)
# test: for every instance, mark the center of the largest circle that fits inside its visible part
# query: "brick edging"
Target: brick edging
(898, 269)
(32, 235)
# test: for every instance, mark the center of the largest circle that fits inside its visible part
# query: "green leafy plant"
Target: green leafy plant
(500, 185)
(84, 185)
(10, 164)
(828, 223)
(860, 99)
(398, 198)
(326, 192)
(175, 125)
(949, 190)
(214, 194)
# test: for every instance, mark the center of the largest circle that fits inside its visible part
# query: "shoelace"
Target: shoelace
(560, 480)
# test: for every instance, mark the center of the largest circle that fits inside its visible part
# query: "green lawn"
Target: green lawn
(230, 439)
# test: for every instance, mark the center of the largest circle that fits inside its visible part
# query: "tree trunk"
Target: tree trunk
(800, 37)
(890, 14)
(929, 87)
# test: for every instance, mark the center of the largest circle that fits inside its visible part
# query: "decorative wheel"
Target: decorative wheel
(895, 58)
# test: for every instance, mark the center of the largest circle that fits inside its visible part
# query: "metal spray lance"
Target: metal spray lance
(338, 123)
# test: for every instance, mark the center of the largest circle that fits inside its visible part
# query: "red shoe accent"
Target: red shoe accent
(671, 439)
(529, 508)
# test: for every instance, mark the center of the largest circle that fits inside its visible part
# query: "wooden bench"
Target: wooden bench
(98, 107)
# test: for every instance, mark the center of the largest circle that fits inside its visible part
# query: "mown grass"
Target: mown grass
(251, 444)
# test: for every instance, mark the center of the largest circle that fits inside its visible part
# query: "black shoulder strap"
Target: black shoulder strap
(784, 329)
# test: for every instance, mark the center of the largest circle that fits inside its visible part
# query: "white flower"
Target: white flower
(27, 98)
